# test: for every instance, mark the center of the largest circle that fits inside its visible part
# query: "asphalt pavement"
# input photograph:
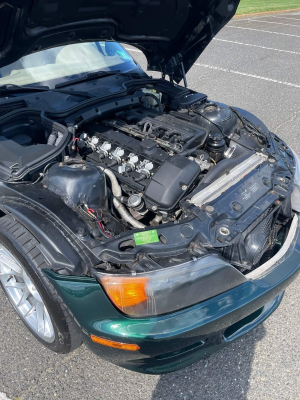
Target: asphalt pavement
(253, 63)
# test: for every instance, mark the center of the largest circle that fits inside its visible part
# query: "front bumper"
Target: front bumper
(176, 340)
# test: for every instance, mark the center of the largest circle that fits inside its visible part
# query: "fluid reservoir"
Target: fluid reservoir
(78, 183)
(216, 146)
(150, 89)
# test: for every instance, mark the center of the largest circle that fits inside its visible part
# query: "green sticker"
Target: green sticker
(146, 237)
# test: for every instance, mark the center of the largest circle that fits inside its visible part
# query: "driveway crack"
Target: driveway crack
(289, 119)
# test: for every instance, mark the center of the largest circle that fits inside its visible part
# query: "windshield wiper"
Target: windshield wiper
(10, 87)
(87, 77)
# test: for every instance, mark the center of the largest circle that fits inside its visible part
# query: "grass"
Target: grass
(254, 6)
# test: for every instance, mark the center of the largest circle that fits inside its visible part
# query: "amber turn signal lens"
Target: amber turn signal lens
(117, 345)
(125, 291)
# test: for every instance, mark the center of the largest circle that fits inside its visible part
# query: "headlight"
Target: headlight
(296, 192)
(170, 289)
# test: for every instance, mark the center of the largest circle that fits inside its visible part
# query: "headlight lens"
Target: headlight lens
(170, 289)
(296, 192)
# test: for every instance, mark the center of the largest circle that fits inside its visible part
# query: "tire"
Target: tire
(21, 249)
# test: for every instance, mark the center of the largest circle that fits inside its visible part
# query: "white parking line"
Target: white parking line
(248, 75)
(271, 22)
(257, 46)
(295, 19)
(261, 30)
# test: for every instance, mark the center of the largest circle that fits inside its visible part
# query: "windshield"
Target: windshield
(60, 64)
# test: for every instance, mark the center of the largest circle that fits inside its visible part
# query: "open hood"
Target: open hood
(167, 31)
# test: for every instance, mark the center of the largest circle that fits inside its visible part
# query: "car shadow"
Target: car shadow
(224, 375)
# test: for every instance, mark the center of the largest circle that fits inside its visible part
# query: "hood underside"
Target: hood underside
(167, 31)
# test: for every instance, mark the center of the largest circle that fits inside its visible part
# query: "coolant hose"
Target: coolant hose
(60, 136)
(52, 139)
(117, 192)
(115, 187)
(126, 216)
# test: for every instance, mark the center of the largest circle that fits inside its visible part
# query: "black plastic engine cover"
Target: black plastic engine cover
(170, 183)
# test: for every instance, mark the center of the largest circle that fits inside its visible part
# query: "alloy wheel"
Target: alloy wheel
(24, 296)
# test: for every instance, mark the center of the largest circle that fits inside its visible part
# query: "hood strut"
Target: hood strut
(183, 75)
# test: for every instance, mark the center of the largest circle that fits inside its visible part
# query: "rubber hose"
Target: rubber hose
(126, 216)
(117, 192)
(52, 139)
(60, 136)
(115, 187)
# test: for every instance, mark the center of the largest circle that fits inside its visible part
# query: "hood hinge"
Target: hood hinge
(172, 65)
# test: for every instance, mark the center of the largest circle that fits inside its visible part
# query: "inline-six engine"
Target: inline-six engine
(149, 156)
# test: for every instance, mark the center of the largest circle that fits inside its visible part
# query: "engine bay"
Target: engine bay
(158, 184)
(158, 177)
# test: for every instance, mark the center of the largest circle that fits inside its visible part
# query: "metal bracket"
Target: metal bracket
(172, 65)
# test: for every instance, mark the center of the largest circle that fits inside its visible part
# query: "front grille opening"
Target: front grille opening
(179, 352)
(280, 234)
(233, 329)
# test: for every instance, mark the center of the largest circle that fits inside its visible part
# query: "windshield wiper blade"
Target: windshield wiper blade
(10, 87)
(87, 77)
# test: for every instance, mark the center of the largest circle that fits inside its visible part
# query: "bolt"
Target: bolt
(224, 231)
(84, 168)
(154, 208)
(184, 187)
(209, 209)
(81, 232)
(237, 207)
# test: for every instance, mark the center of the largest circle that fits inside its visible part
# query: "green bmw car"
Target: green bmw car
(137, 216)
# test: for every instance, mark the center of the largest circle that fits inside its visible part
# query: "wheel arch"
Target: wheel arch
(55, 246)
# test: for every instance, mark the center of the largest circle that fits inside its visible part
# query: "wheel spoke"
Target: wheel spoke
(24, 297)
(16, 285)
(7, 262)
(30, 311)
(7, 273)
(6, 254)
